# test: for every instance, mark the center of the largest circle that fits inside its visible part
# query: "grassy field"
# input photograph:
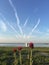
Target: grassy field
(35, 48)
(9, 56)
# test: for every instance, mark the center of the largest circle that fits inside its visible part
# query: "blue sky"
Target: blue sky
(24, 20)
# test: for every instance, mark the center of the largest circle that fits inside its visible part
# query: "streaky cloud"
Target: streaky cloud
(18, 21)
(3, 26)
(35, 27)
(8, 23)
(25, 22)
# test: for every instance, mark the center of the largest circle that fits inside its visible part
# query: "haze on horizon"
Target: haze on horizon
(23, 21)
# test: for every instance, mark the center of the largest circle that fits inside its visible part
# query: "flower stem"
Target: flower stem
(31, 58)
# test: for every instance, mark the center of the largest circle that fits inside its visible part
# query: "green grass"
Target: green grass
(8, 57)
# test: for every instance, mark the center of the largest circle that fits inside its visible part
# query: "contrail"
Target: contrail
(18, 21)
(3, 26)
(8, 23)
(34, 27)
(12, 28)
(25, 22)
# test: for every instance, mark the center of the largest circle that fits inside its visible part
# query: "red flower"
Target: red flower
(14, 49)
(19, 48)
(31, 45)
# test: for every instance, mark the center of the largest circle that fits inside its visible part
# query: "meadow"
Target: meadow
(22, 56)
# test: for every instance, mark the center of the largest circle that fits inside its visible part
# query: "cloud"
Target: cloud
(25, 22)
(3, 26)
(17, 18)
(7, 23)
(46, 33)
(38, 31)
(34, 27)
(47, 30)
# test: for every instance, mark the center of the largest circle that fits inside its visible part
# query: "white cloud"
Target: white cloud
(34, 27)
(25, 22)
(47, 30)
(46, 33)
(3, 26)
(26, 38)
(37, 31)
(17, 18)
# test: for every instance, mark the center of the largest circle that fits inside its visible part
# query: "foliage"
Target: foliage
(38, 57)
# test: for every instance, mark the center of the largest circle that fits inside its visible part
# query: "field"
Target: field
(13, 56)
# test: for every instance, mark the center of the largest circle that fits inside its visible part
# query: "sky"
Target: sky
(24, 21)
